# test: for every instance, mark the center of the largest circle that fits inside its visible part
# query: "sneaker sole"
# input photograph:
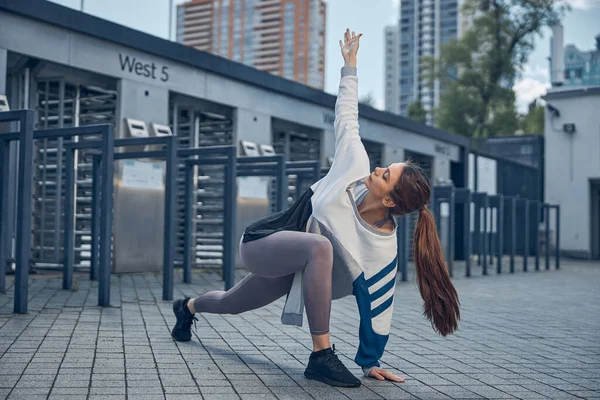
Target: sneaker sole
(315, 376)
(180, 340)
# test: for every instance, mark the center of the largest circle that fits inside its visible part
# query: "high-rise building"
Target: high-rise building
(284, 37)
(423, 26)
(570, 66)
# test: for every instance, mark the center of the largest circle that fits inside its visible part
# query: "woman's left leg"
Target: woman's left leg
(250, 293)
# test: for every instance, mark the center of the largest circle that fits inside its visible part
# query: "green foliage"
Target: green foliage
(416, 112)
(532, 123)
(477, 72)
(368, 99)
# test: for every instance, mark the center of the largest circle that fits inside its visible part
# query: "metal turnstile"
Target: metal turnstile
(60, 103)
(199, 124)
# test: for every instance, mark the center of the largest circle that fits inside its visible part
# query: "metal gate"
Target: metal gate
(297, 146)
(60, 103)
(195, 126)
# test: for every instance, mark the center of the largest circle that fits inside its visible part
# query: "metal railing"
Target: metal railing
(486, 242)
(26, 136)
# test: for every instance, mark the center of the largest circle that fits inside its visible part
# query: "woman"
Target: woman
(338, 239)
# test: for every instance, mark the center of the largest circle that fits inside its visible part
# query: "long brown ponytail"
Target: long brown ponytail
(441, 300)
(441, 308)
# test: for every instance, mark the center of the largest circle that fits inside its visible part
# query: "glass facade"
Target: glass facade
(284, 37)
(249, 19)
(448, 20)
(224, 29)
(180, 21)
(316, 57)
(409, 11)
(236, 54)
(423, 26)
(582, 68)
(288, 40)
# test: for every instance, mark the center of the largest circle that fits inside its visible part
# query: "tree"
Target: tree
(477, 71)
(416, 112)
(368, 99)
(532, 123)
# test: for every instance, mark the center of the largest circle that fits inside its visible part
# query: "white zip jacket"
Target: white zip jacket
(365, 262)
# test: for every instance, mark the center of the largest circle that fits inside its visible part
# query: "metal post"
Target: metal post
(299, 182)
(59, 183)
(537, 209)
(557, 237)
(402, 236)
(24, 190)
(189, 216)
(547, 233)
(229, 214)
(95, 228)
(106, 207)
(526, 233)
(69, 220)
(468, 243)
(491, 238)
(513, 230)
(484, 247)
(477, 228)
(450, 258)
(500, 233)
(437, 209)
(281, 185)
(475, 173)
(170, 212)
(5, 242)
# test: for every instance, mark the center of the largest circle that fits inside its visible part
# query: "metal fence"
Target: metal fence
(518, 175)
(485, 243)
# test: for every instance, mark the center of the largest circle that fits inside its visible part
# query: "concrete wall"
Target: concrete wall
(571, 160)
(142, 101)
(392, 154)
(252, 126)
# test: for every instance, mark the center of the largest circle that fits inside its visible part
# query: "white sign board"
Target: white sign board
(486, 182)
(139, 174)
(486, 175)
(253, 187)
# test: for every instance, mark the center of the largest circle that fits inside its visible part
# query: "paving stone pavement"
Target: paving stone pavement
(533, 335)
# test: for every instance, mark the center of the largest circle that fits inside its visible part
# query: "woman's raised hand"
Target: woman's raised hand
(350, 47)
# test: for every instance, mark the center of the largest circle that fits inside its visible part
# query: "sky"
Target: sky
(369, 17)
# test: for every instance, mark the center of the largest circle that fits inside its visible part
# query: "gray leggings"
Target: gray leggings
(272, 262)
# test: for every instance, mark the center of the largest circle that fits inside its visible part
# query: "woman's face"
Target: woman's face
(382, 181)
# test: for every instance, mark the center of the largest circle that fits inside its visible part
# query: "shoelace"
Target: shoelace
(333, 362)
(188, 323)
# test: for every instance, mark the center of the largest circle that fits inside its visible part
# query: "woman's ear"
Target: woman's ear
(388, 202)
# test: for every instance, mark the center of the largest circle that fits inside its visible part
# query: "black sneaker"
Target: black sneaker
(325, 366)
(182, 331)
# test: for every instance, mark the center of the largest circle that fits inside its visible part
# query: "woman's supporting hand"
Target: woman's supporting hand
(382, 375)
(350, 47)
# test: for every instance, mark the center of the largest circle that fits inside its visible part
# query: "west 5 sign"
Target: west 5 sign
(147, 70)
